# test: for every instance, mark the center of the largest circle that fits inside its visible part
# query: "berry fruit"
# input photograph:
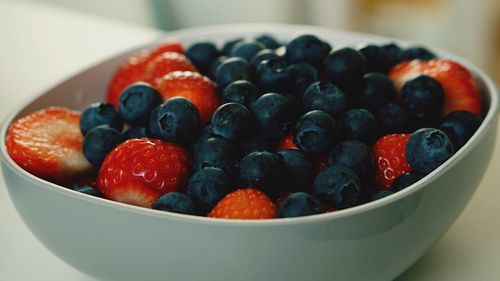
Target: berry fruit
(175, 202)
(427, 149)
(315, 132)
(244, 204)
(136, 103)
(100, 114)
(337, 186)
(390, 157)
(299, 204)
(207, 187)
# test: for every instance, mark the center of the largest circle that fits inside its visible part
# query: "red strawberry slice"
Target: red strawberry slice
(389, 153)
(460, 87)
(287, 143)
(165, 63)
(245, 203)
(48, 144)
(194, 87)
(139, 171)
(167, 45)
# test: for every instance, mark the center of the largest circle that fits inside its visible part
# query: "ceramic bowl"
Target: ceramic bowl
(374, 241)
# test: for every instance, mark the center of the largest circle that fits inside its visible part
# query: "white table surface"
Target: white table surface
(42, 45)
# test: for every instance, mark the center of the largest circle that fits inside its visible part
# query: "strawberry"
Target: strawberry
(320, 162)
(48, 144)
(165, 63)
(193, 86)
(167, 45)
(139, 171)
(244, 204)
(460, 87)
(389, 153)
(287, 143)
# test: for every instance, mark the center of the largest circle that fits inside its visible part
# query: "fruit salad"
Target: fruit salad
(257, 128)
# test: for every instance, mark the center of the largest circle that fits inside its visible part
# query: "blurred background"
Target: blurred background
(468, 28)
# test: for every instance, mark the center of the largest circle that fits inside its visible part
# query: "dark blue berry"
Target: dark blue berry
(228, 46)
(87, 189)
(375, 90)
(460, 126)
(263, 170)
(299, 204)
(218, 153)
(214, 65)
(393, 53)
(299, 170)
(240, 91)
(272, 76)
(207, 186)
(392, 118)
(100, 114)
(359, 124)
(137, 102)
(324, 96)
(252, 144)
(262, 55)
(202, 54)
(345, 68)
(274, 115)
(427, 149)
(230, 70)
(269, 41)
(135, 133)
(375, 58)
(380, 194)
(308, 49)
(315, 132)
(246, 49)
(300, 76)
(423, 98)
(354, 155)
(337, 186)
(232, 121)
(98, 142)
(405, 180)
(176, 120)
(175, 202)
(417, 52)
(203, 135)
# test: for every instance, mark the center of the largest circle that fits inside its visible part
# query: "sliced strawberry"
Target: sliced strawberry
(193, 86)
(139, 171)
(165, 63)
(460, 87)
(389, 152)
(245, 203)
(287, 143)
(167, 45)
(48, 144)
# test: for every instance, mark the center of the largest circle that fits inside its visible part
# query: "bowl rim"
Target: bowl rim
(245, 30)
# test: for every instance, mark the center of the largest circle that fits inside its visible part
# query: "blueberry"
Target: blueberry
(417, 52)
(218, 153)
(423, 98)
(240, 91)
(300, 76)
(176, 120)
(230, 70)
(324, 96)
(100, 114)
(405, 180)
(272, 76)
(393, 53)
(392, 119)
(135, 133)
(252, 144)
(269, 41)
(202, 54)
(375, 90)
(337, 186)
(175, 202)
(299, 204)
(359, 124)
(137, 102)
(228, 46)
(376, 58)
(345, 68)
(98, 142)
(427, 149)
(207, 186)
(354, 155)
(263, 170)
(460, 126)
(87, 189)
(307, 48)
(299, 170)
(274, 115)
(203, 135)
(262, 55)
(246, 49)
(380, 194)
(214, 65)
(232, 121)
(315, 132)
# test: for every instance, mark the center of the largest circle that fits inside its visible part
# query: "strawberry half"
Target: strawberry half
(389, 152)
(48, 144)
(165, 63)
(245, 204)
(139, 171)
(461, 91)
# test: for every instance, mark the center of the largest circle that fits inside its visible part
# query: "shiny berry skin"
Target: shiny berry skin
(393, 54)
(139, 171)
(165, 63)
(98, 142)
(193, 86)
(272, 76)
(269, 41)
(307, 48)
(245, 203)
(359, 124)
(218, 153)
(230, 70)
(175, 202)
(375, 90)
(459, 126)
(324, 96)
(427, 149)
(274, 115)
(405, 180)
(262, 55)
(100, 114)
(315, 132)
(299, 204)
(232, 121)
(423, 99)
(392, 118)
(208, 186)
(301, 76)
(390, 158)
(240, 91)
(354, 155)
(338, 187)
(345, 68)
(263, 170)
(299, 170)
(137, 102)
(202, 54)
(417, 52)
(246, 49)
(228, 46)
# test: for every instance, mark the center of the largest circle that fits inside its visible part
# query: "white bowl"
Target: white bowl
(374, 241)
